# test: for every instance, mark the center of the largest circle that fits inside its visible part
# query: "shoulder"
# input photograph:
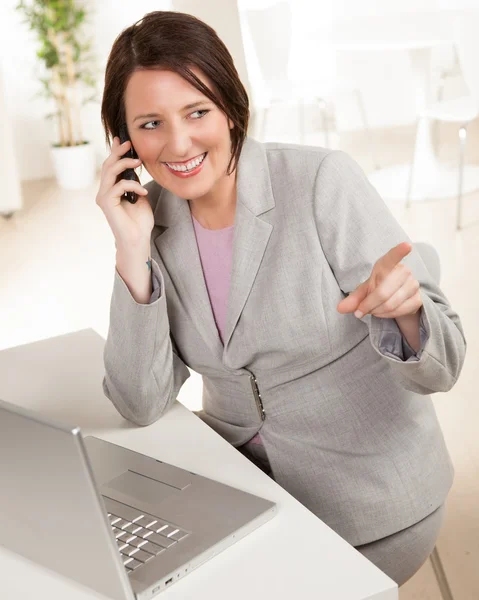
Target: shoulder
(307, 160)
(305, 170)
(286, 156)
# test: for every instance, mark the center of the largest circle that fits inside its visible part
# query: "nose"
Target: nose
(179, 142)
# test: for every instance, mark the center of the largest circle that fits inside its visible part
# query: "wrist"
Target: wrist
(409, 327)
(133, 251)
(134, 267)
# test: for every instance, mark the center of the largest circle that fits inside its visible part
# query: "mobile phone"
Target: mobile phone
(129, 173)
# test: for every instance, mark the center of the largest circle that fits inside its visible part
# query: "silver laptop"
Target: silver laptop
(124, 524)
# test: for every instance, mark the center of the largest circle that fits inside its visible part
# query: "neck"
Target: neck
(216, 209)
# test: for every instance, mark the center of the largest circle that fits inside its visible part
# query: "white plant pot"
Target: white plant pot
(74, 166)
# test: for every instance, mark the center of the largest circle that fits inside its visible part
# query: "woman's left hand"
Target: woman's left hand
(390, 292)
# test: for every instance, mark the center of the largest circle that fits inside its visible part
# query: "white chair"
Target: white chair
(464, 109)
(440, 574)
(267, 36)
(446, 72)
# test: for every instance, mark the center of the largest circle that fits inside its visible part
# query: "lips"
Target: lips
(185, 163)
(184, 174)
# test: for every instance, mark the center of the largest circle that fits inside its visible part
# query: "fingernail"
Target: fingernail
(358, 314)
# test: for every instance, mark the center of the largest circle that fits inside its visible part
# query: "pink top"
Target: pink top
(215, 247)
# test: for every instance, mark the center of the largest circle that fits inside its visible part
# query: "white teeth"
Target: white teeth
(189, 166)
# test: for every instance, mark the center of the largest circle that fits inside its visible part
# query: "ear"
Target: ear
(231, 124)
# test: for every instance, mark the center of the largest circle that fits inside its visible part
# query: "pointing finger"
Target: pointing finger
(393, 257)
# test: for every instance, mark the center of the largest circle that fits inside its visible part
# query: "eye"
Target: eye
(144, 126)
(201, 113)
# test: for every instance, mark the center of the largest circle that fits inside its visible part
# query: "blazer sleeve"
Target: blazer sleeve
(356, 228)
(143, 372)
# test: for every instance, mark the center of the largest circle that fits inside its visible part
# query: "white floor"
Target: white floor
(57, 264)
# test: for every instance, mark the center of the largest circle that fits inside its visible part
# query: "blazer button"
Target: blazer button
(257, 397)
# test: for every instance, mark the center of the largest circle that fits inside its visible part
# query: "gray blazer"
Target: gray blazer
(342, 404)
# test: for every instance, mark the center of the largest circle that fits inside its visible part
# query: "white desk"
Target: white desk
(418, 33)
(295, 555)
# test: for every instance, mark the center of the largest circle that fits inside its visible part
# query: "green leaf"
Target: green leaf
(66, 18)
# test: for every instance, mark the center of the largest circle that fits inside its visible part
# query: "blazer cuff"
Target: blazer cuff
(389, 340)
(121, 289)
(156, 281)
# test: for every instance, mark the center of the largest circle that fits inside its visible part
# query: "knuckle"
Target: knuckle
(383, 296)
(388, 306)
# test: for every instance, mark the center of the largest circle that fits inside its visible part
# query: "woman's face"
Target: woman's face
(184, 141)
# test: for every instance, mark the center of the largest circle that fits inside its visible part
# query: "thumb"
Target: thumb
(351, 302)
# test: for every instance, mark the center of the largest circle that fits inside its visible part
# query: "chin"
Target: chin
(190, 190)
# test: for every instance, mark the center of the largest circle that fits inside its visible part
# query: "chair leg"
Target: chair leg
(263, 124)
(436, 130)
(323, 107)
(302, 118)
(411, 171)
(462, 143)
(257, 124)
(362, 111)
(441, 578)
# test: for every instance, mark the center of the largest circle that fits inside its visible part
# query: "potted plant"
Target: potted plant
(67, 75)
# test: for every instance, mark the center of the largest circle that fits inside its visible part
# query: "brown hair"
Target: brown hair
(175, 41)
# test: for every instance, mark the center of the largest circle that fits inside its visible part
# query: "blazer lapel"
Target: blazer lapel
(251, 234)
(179, 251)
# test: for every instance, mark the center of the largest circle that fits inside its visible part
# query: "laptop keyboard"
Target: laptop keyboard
(140, 536)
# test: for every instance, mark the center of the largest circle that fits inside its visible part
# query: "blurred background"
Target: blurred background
(393, 83)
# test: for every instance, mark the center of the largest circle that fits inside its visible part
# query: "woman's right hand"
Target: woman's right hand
(131, 224)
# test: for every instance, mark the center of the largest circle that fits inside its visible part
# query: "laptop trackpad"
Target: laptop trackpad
(144, 488)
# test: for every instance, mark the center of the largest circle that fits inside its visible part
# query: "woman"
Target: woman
(277, 273)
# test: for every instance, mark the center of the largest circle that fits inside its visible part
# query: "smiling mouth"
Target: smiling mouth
(187, 166)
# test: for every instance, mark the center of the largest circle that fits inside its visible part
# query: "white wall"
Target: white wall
(11, 196)
(223, 16)
(391, 104)
(30, 131)
(386, 79)
(33, 134)
(347, 8)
